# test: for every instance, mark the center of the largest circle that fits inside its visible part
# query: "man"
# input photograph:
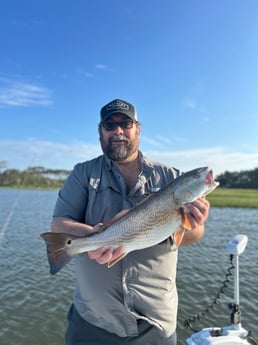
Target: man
(135, 301)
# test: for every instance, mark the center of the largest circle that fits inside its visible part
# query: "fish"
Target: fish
(150, 222)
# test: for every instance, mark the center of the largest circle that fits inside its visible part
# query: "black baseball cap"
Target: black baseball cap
(118, 106)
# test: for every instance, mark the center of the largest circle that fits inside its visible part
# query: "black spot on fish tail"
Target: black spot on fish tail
(57, 250)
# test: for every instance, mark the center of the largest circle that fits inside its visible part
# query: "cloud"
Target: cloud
(101, 66)
(33, 152)
(85, 73)
(152, 141)
(15, 93)
(194, 96)
(161, 142)
(189, 103)
(90, 75)
(218, 158)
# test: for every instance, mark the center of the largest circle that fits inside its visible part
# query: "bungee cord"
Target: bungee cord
(202, 314)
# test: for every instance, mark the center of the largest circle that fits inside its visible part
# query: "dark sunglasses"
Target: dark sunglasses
(111, 126)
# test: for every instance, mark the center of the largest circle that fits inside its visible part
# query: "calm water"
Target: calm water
(33, 304)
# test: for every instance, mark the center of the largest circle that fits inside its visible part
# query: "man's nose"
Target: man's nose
(118, 129)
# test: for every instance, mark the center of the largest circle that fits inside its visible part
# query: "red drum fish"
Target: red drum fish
(150, 222)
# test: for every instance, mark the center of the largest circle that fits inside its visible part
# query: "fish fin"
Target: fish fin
(144, 199)
(125, 211)
(115, 218)
(113, 262)
(178, 236)
(185, 219)
(122, 213)
(57, 249)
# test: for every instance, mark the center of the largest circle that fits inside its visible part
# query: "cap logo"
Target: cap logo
(117, 105)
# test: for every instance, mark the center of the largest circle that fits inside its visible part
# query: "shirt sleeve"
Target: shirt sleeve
(73, 196)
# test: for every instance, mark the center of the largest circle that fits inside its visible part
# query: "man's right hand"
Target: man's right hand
(106, 255)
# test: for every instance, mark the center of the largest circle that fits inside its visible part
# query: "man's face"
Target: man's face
(119, 142)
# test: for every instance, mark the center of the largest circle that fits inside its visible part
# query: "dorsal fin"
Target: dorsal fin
(122, 213)
(115, 218)
(145, 198)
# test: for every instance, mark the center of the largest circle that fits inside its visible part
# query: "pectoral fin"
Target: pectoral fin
(185, 219)
(113, 262)
(178, 236)
(186, 225)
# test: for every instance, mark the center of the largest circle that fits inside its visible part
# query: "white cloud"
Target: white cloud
(152, 141)
(15, 93)
(159, 141)
(32, 152)
(218, 158)
(189, 103)
(101, 66)
(85, 73)
(163, 139)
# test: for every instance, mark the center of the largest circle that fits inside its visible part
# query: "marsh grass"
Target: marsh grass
(233, 197)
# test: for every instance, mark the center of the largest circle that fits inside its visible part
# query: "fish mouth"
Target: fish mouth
(209, 180)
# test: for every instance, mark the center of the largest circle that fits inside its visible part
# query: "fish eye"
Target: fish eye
(197, 175)
(69, 242)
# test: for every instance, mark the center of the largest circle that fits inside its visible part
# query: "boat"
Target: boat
(233, 334)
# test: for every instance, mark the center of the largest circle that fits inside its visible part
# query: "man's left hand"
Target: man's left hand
(198, 212)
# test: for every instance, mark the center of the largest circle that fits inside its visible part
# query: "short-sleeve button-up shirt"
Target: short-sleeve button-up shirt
(142, 285)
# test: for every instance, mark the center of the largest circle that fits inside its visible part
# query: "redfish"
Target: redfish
(150, 222)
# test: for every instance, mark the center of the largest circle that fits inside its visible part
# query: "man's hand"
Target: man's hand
(198, 212)
(105, 255)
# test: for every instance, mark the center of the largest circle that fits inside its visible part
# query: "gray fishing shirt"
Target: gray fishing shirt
(143, 284)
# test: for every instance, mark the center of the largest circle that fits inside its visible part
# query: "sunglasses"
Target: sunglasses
(111, 126)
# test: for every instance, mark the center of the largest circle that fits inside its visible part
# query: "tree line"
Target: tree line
(242, 179)
(40, 177)
(34, 177)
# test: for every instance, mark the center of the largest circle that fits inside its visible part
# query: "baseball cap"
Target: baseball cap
(118, 106)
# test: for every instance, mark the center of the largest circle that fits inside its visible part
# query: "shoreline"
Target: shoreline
(220, 197)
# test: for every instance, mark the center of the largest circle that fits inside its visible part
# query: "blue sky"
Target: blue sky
(189, 66)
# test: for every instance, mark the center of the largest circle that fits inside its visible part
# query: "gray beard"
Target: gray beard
(119, 153)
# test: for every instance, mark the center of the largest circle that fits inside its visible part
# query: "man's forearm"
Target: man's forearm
(67, 225)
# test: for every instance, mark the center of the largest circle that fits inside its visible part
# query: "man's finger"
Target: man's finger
(96, 254)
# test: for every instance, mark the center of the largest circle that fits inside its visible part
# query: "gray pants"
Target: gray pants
(80, 332)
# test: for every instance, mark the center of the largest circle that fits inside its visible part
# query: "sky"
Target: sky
(189, 66)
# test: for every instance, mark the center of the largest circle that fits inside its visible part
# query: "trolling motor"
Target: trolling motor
(234, 334)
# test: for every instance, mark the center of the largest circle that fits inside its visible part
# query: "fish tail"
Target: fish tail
(57, 250)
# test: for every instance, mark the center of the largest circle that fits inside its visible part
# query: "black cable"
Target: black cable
(203, 314)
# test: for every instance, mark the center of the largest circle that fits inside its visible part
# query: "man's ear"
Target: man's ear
(138, 129)
(100, 130)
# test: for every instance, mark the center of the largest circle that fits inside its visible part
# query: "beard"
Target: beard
(118, 152)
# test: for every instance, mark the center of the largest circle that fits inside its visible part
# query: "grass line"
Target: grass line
(234, 197)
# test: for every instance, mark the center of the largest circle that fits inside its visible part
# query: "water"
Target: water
(34, 304)
(202, 268)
